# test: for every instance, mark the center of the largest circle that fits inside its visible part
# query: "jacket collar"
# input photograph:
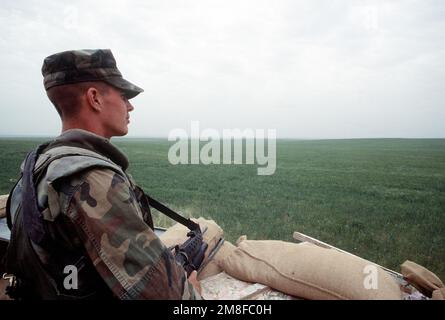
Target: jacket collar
(90, 141)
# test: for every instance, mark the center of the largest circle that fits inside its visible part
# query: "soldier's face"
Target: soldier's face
(116, 113)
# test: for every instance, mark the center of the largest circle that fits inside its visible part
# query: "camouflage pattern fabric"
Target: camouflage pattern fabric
(90, 209)
(76, 66)
(127, 254)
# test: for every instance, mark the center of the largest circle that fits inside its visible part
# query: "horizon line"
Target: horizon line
(278, 138)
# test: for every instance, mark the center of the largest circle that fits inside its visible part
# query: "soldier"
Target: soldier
(91, 234)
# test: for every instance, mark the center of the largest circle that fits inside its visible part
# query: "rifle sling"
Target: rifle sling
(172, 214)
(211, 254)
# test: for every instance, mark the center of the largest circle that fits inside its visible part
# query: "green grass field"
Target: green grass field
(382, 199)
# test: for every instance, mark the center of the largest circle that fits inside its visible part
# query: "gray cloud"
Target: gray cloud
(322, 69)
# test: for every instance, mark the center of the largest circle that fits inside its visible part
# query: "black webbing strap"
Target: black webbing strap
(170, 213)
(32, 216)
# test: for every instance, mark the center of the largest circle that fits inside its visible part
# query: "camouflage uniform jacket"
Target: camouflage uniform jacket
(95, 221)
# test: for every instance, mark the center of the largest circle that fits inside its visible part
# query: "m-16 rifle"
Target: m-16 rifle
(190, 254)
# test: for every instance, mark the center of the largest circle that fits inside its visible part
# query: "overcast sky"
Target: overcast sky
(309, 69)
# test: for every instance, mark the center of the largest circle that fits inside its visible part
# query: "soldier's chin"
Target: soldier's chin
(121, 132)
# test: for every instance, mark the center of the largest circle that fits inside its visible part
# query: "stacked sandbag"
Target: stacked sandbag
(3, 200)
(309, 272)
(177, 235)
(423, 280)
(3, 283)
(214, 265)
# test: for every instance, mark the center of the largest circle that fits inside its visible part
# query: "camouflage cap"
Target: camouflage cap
(85, 65)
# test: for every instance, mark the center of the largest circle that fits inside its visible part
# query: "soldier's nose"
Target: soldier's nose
(129, 106)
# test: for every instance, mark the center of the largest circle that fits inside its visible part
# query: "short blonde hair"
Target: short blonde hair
(67, 98)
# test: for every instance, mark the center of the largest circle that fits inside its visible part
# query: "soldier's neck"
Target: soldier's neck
(84, 125)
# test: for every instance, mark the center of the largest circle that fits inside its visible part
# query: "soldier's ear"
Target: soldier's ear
(94, 99)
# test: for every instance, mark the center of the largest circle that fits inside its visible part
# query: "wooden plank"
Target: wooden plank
(302, 237)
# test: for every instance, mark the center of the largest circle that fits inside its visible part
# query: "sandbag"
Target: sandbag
(309, 272)
(3, 200)
(214, 265)
(3, 285)
(177, 234)
(423, 280)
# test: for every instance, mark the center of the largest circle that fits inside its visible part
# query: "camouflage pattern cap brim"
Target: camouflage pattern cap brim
(131, 90)
(75, 66)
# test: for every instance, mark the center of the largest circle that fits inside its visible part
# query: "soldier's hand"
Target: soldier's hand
(194, 281)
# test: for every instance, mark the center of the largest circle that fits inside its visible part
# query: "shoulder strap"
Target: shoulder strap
(172, 214)
(30, 161)
(32, 216)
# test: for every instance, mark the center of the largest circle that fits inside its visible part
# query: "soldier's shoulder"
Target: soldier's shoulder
(96, 177)
(94, 180)
(102, 179)
(70, 162)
